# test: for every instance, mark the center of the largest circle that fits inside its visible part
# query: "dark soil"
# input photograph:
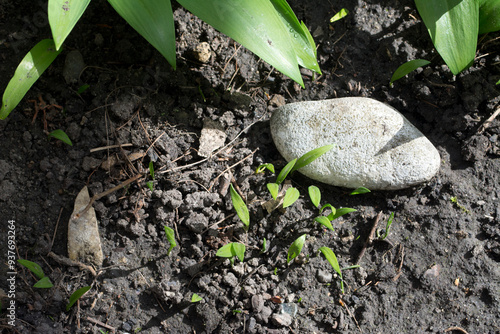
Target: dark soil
(437, 271)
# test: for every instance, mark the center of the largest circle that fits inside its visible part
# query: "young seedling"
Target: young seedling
(240, 207)
(62, 136)
(408, 67)
(359, 191)
(340, 15)
(264, 246)
(76, 295)
(231, 250)
(43, 282)
(314, 195)
(296, 248)
(332, 259)
(263, 167)
(171, 238)
(152, 174)
(195, 298)
(291, 195)
(387, 228)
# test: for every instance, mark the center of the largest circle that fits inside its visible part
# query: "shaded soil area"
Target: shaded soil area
(437, 271)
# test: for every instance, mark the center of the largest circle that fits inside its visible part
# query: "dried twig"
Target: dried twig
(369, 240)
(455, 328)
(488, 122)
(102, 324)
(71, 263)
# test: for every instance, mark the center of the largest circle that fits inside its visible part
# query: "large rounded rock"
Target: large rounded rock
(374, 145)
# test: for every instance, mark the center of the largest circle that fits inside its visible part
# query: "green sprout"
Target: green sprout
(231, 250)
(408, 67)
(263, 167)
(170, 237)
(387, 228)
(240, 207)
(62, 136)
(314, 195)
(332, 259)
(152, 174)
(454, 200)
(76, 295)
(296, 248)
(340, 15)
(195, 298)
(359, 191)
(44, 281)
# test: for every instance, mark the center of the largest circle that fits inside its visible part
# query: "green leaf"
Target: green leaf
(340, 15)
(498, 82)
(239, 250)
(256, 25)
(292, 194)
(324, 221)
(63, 15)
(83, 88)
(296, 248)
(154, 20)
(340, 212)
(151, 170)
(273, 189)
(76, 295)
(285, 171)
(262, 167)
(264, 246)
(195, 298)
(327, 205)
(453, 26)
(226, 251)
(240, 207)
(301, 39)
(360, 190)
(310, 156)
(408, 67)
(332, 259)
(62, 136)
(33, 267)
(170, 237)
(150, 185)
(27, 73)
(43, 283)
(489, 16)
(387, 227)
(314, 195)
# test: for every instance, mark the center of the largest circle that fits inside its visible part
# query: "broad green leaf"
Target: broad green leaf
(262, 167)
(314, 195)
(240, 207)
(256, 25)
(327, 205)
(195, 298)
(264, 246)
(498, 82)
(63, 15)
(340, 15)
(408, 67)
(453, 26)
(489, 16)
(296, 248)
(292, 194)
(171, 238)
(33, 267)
(273, 189)
(151, 170)
(150, 185)
(310, 156)
(301, 39)
(83, 88)
(76, 295)
(239, 250)
(27, 73)
(332, 259)
(226, 251)
(154, 20)
(43, 283)
(62, 136)
(360, 190)
(285, 171)
(324, 221)
(340, 212)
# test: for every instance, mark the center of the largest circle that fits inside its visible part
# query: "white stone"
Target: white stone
(374, 145)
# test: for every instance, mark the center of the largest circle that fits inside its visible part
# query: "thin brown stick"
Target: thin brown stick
(109, 147)
(455, 328)
(71, 263)
(55, 230)
(488, 122)
(231, 167)
(369, 239)
(102, 324)
(350, 313)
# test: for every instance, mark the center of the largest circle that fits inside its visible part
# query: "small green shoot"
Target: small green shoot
(195, 298)
(314, 195)
(237, 311)
(340, 15)
(273, 189)
(231, 250)
(240, 207)
(332, 259)
(263, 167)
(151, 170)
(408, 67)
(324, 221)
(300, 299)
(76, 295)
(264, 246)
(498, 82)
(291, 195)
(310, 156)
(83, 88)
(387, 228)
(285, 171)
(275, 272)
(296, 248)
(454, 200)
(170, 237)
(44, 282)
(331, 207)
(62, 136)
(359, 191)
(340, 212)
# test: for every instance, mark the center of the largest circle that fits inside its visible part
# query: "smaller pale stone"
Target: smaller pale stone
(374, 145)
(212, 137)
(202, 52)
